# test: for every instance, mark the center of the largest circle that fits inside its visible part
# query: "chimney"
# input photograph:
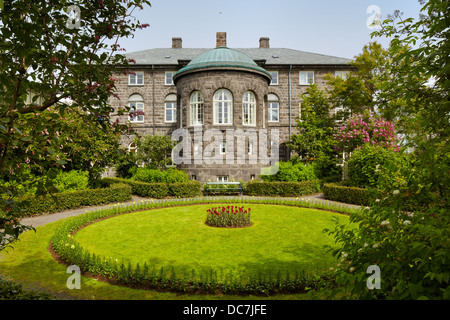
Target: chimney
(264, 43)
(221, 39)
(176, 43)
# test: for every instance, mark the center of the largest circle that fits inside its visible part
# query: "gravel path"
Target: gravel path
(37, 221)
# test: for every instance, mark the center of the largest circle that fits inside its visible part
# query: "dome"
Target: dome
(222, 58)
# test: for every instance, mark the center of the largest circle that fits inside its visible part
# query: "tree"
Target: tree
(363, 129)
(406, 231)
(51, 51)
(155, 152)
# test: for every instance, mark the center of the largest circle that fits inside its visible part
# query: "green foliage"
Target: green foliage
(345, 194)
(31, 205)
(126, 164)
(288, 171)
(155, 152)
(228, 217)
(12, 291)
(72, 181)
(282, 188)
(170, 175)
(406, 230)
(159, 190)
(367, 164)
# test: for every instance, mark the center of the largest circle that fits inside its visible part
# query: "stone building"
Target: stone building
(232, 107)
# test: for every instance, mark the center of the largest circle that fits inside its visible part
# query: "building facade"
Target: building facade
(229, 108)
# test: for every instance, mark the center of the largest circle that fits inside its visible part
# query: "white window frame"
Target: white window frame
(168, 81)
(197, 108)
(341, 74)
(136, 103)
(170, 105)
(304, 80)
(271, 102)
(249, 109)
(133, 79)
(221, 106)
(222, 178)
(274, 82)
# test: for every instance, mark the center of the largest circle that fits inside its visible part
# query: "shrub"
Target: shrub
(342, 193)
(282, 188)
(51, 203)
(170, 175)
(173, 175)
(287, 171)
(228, 217)
(159, 190)
(366, 165)
(73, 180)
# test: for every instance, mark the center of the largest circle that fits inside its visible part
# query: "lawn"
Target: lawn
(281, 238)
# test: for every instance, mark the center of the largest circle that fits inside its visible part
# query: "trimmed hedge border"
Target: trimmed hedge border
(282, 188)
(51, 203)
(342, 193)
(159, 190)
(145, 277)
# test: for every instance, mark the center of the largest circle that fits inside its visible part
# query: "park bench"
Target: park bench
(223, 187)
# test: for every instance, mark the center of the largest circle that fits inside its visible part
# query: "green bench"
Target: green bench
(223, 187)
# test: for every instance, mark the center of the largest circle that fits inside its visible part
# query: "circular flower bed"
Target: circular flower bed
(228, 217)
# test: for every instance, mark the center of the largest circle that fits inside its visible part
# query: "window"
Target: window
(273, 108)
(274, 78)
(249, 109)
(223, 147)
(196, 106)
(250, 148)
(223, 107)
(171, 108)
(136, 79)
(306, 77)
(136, 104)
(300, 112)
(193, 177)
(252, 177)
(168, 80)
(341, 74)
(222, 178)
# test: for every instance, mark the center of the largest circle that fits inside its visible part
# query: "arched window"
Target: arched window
(171, 108)
(223, 107)
(273, 107)
(136, 104)
(249, 108)
(196, 108)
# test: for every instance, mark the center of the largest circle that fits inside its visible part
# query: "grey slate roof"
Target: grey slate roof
(273, 56)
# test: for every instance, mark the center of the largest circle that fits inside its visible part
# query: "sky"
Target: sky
(331, 27)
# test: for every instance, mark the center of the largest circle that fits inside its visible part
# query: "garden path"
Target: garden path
(37, 221)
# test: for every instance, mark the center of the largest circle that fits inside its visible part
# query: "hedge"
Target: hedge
(51, 203)
(342, 193)
(282, 188)
(159, 190)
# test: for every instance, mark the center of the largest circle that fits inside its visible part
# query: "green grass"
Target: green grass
(281, 239)
(30, 263)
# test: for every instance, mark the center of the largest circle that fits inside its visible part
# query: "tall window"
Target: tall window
(171, 108)
(274, 78)
(223, 107)
(306, 77)
(136, 104)
(136, 79)
(273, 108)
(197, 110)
(249, 109)
(168, 78)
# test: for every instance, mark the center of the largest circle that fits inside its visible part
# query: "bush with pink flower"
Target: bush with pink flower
(363, 129)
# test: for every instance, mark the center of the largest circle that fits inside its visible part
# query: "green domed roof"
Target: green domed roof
(222, 58)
